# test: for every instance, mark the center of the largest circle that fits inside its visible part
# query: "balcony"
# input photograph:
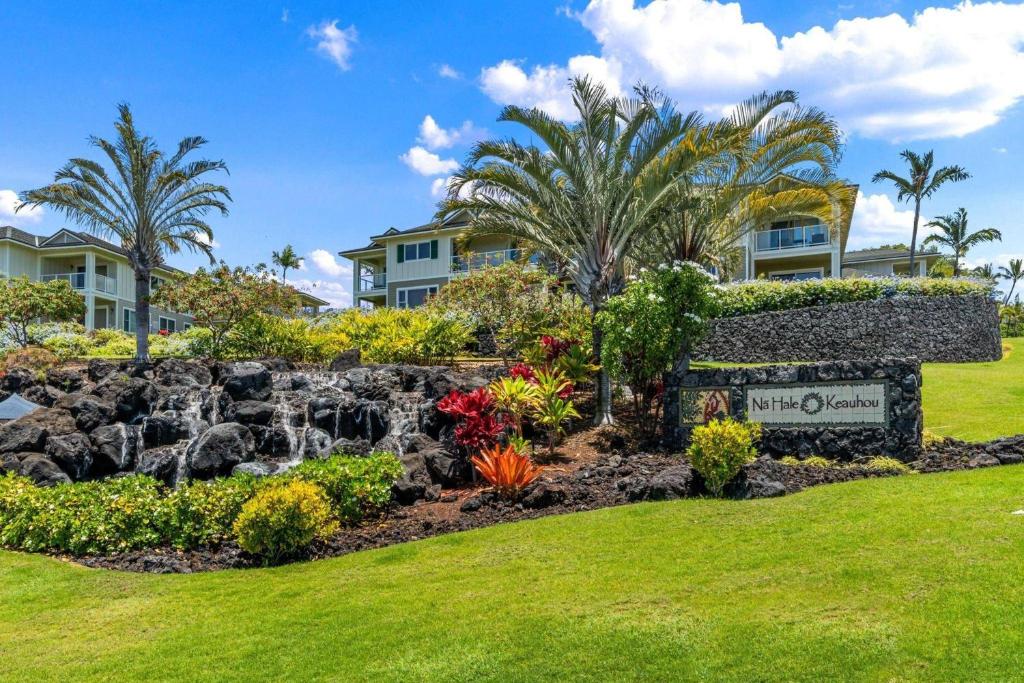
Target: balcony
(784, 239)
(103, 283)
(485, 259)
(373, 281)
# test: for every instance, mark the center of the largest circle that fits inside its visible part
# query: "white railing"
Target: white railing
(782, 239)
(485, 259)
(372, 281)
(77, 281)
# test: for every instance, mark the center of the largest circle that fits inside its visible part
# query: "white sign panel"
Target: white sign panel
(855, 403)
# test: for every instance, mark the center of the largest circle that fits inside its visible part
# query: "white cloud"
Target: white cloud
(427, 163)
(876, 221)
(946, 72)
(333, 42)
(446, 71)
(327, 264)
(9, 203)
(200, 237)
(435, 137)
(1000, 150)
(337, 294)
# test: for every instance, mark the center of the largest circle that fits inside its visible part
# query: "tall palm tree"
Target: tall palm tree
(920, 184)
(586, 198)
(985, 272)
(955, 235)
(153, 203)
(285, 259)
(1014, 273)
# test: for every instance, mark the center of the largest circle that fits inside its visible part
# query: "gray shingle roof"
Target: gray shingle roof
(12, 233)
(15, 406)
(862, 255)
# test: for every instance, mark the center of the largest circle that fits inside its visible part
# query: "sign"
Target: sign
(700, 406)
(846, 403)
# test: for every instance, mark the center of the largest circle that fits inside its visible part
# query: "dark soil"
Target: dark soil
(580, 478)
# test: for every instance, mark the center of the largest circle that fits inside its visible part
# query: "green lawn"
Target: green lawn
(911, 578)
(976, 401)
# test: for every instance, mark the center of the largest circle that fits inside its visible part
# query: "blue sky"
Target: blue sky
(317, 107)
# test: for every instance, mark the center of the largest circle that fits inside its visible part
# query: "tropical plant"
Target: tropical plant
(720, 448)
(576, 364)
(400, 335)
(23, 302)
(476, 424)
(516, 397)
(956, 236)
(920, 184)
(986, 272)
(222, 298)
(154, 204)
(585, 198)
(650, 328)
(1014, 272)
(553, 409)
(507, 470)
(283, 519)
(285, 259)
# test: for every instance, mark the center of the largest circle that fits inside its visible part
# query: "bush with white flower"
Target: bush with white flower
(651, 327)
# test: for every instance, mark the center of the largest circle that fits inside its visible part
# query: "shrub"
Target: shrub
(516, 397)
(202, 512)
(34, 358)
(397, 335)
(759, 296)
(476, 424)
(881, 463)
(553, 408)
(652, 326)
(720, 448)
(195, 342)
(283, 519)
(354, 485)
(111, 343)
(66, 346)
(506, 470)
(811, 461)
(296, 339)
(22, 302)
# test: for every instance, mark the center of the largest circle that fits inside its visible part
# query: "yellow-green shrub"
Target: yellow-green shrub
(283, 519)
(296, 339)
(397, 335)
(720, 448)
(881, 463)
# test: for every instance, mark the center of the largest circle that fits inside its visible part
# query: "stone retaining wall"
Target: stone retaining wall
(947, 329)
(897, 383)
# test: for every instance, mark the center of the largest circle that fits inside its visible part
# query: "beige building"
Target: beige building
(95, 268)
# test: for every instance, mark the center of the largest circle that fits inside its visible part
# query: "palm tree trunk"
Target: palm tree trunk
(913, 235)
(603, 407)
(1010, 293)
(142, 314)
(284, 275)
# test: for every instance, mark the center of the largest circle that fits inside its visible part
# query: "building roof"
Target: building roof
(38, 242)
(14, 406)
(457, 221)
(308, 298)
(865, 255)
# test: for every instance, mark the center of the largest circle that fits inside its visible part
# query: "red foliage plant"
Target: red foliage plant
(474, 411)
(553, 348)
(523, 370)
(508, 471)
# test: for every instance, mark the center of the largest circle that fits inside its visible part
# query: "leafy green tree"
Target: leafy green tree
(920, 184)
(222, 298)
(957, 237)
(23, 302)
(587, 196)
(285, 259)
(1014, 273)
(153, 203)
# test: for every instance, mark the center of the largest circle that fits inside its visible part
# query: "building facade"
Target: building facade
(95, 268)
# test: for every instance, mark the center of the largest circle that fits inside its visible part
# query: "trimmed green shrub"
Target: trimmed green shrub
(283, 519)
(720, 448)
(263, 336)
(759, 296)
(399, 335)
(354, 485)
(202, 512)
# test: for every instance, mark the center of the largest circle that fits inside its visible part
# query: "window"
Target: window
(167, 324)
(417, 251)
(128, 320)
(415, 296)
(808, 274)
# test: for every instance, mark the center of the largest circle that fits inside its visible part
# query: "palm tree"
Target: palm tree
(285, 259)
(1014, 273)
(153, 203)
(921, 184)
(984, 272)
(587, 198)
(955, 235)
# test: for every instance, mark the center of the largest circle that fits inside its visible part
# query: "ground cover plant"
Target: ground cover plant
(837, 582)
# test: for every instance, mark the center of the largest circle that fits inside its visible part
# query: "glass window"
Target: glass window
(167, 324)
(417, 296)
(128, 321)
(417, 251)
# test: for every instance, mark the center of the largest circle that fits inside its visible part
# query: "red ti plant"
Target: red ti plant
(474, 412)
(523, 370)
(553, 347)
(506, 470)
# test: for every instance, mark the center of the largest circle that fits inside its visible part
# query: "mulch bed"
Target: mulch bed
(584, 478)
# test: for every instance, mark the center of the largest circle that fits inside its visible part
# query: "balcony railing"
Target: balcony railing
(485, 259)
(368, 283)
(782, 239)
(77, 281)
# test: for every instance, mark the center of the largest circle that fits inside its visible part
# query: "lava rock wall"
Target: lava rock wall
(955, 329)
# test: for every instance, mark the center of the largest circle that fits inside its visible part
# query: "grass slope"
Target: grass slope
(916, 577)
(976, 401)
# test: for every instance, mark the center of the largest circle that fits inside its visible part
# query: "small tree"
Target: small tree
(23, 302)
(651, 326)
(1014, 273)
(221, 298)
(954, 233)
(285, 259)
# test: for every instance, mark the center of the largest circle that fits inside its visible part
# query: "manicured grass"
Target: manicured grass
(911, 578)
(976, 401)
